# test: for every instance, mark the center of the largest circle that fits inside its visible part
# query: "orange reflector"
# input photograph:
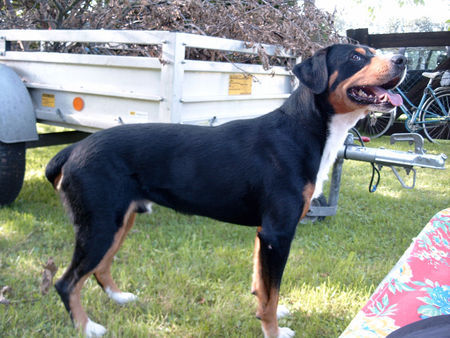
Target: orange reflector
(78, 103)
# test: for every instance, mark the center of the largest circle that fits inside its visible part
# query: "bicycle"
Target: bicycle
(431, 116)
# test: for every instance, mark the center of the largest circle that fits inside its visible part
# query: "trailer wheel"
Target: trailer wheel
(12, 171)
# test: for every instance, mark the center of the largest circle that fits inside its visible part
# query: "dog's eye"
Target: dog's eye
(356, 57)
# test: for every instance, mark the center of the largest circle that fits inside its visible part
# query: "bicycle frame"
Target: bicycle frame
(411, 118)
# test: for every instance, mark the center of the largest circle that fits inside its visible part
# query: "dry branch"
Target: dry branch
(299, 28)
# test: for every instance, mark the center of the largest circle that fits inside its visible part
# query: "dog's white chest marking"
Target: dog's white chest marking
(337, 132)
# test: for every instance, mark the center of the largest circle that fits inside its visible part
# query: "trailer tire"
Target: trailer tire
(12, 171)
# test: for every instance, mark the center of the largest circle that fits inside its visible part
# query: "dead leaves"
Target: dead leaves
(5, 290)
(49, 272)
(298, 27)
(47, 276)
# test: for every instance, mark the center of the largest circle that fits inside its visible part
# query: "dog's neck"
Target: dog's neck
(338, 127)
(317, 114)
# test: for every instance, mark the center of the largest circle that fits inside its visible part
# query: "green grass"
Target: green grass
(192, 275)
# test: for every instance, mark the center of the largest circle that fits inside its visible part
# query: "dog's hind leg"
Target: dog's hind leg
(91, 246)
(103, 270)
(270, 256)
(98, 237)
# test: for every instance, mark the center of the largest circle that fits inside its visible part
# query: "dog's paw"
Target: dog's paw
(121, 298)
(285, 332)
(93, 329)
(282, 311)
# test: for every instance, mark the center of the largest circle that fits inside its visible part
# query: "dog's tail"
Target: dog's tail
(53, 169)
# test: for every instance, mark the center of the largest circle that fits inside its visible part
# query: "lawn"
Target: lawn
(192, 274)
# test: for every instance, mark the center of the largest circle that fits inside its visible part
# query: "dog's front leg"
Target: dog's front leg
(270, 256)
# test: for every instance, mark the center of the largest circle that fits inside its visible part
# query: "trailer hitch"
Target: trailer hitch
(379, 157)
(417, 140)
(393, 158)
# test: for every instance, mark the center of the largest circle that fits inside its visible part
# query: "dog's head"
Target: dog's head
(353, 77)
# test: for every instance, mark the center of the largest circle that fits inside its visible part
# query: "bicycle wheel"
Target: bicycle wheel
(435, 121)
(376, 123)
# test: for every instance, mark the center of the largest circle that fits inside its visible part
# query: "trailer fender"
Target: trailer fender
(17, 126)
(17, 117)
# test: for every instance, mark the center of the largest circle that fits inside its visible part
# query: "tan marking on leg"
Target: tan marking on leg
(256, 265)
(267, 299)
(79, 316)
(308, 191)
(269, 319)
(57, 182)
(103, 275)
(103, 269)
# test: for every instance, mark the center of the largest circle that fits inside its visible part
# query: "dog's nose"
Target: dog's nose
(399, 60)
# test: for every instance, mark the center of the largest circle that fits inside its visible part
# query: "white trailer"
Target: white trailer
(92, 91)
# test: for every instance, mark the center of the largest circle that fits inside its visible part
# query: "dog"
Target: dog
(260, 172)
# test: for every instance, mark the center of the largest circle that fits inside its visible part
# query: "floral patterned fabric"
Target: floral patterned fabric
(418, 287)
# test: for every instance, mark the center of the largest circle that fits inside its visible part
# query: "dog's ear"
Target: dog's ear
(313, 72)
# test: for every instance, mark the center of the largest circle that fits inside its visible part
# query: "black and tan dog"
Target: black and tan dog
(259, 172)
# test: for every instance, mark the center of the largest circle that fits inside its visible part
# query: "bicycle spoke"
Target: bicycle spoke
(435, 121)
(376, 124)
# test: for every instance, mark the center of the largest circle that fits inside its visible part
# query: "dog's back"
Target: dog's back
(223, 172)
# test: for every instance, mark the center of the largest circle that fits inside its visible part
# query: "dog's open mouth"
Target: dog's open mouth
(376, 95)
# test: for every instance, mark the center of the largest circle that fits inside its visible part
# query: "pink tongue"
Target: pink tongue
(395, 99)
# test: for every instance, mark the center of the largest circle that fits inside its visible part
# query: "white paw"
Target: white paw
(282, 311)
(120, 297)
(285, 332)
(93, 329)
(149, 207)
